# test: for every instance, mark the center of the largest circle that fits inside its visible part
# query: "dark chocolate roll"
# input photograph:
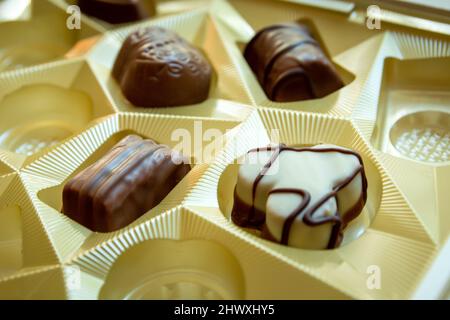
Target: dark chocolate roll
(133, 177)
(117, 11)
(157, 68)
(290, 64)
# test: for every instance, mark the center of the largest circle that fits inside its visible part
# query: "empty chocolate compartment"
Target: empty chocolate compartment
(42, 38)
(41, 108)
(170, 269)
(413, 119)
(403, 111)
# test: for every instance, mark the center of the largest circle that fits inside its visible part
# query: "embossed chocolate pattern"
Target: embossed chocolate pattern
(157, 68)
(117, 11)
(133, 177)
(290, 64)
(306, 200)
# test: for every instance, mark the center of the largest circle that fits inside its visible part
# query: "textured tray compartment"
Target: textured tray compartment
(10, 232)
(170, 269)
(243, 269)
(353, 55)
(84, 149)
(394, 228)
(42, 38)
(24, 244)
(45, 283)
(39, 114)
(413, 117)
(199, 29)
(407, 89)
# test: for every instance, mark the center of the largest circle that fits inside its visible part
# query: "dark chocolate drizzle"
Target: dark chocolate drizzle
(308, 217)
(276, 56)
(271, 28)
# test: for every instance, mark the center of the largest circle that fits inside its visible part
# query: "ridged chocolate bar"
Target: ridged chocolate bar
(157, 68)
(290, 64)
(133, 177)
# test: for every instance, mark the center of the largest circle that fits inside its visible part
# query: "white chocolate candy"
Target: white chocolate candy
(307, 195)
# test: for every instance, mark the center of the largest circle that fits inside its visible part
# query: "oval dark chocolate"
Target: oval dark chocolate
(157, 68)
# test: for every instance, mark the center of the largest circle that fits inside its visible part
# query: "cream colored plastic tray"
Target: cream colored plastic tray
(397, 89)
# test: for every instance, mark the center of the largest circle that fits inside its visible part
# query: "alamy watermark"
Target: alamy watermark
(373, 17)
(202, 145)
(73, 22)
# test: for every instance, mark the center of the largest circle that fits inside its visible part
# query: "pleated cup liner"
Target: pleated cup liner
(44, 179)
(227, 98)
(42, 38)
(163, 8)
(43, 283)
(23, 241)
(46, 105)
(398, 104)
(394, 241)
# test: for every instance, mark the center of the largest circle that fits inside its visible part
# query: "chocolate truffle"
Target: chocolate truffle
(117, 11)
(157, 68)
(133, 177)
(301, 197)
(290, 64)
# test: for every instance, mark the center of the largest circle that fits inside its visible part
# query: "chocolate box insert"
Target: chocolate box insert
(413, 118)
(175, 269)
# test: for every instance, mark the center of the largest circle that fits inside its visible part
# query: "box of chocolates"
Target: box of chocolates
(223, 149)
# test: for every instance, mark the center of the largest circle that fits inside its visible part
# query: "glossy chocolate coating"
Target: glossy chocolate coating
(117, 11)
(157, 68)
(133, 177)
(290, 64)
